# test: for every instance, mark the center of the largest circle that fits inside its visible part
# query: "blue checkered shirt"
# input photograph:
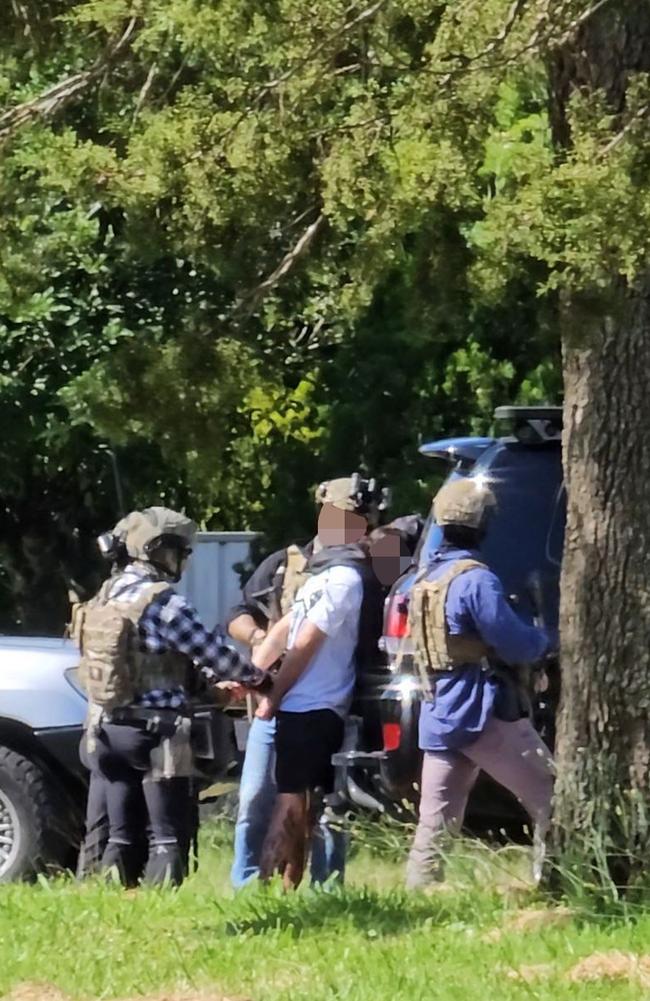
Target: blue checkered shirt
(169, 622)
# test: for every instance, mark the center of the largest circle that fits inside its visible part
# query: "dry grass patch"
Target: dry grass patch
(530, 919)
(45, 992)
(35, 992)
(614, 965)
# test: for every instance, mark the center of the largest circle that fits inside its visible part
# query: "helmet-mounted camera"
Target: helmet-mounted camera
(112, 548)
(355, 493)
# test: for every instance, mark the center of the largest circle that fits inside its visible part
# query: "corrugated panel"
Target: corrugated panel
(210, 582)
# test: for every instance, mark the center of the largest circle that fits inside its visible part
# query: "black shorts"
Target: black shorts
(304, 744)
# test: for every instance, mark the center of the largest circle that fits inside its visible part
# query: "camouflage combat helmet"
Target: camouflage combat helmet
(156, 527)
(353, 493)
(463, 502)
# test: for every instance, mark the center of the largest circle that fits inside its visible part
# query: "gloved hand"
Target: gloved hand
(264, 687)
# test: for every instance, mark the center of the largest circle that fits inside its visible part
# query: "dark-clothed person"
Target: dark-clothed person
(138, 639)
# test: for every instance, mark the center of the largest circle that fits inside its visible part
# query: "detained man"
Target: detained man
(313, 688)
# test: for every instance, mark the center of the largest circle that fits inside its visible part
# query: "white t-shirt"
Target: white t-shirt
(331, 600)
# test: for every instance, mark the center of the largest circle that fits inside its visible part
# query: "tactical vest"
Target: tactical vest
(113, 669)
(295, 575)
(433, 647)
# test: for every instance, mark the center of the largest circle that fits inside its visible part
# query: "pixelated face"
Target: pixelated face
(339, 528)
(389, 557)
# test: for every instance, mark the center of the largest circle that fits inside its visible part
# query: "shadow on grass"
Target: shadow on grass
(376, 913)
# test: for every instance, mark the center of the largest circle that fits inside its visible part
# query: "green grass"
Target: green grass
(368, 942)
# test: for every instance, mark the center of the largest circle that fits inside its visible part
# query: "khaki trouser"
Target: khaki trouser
(511, 753)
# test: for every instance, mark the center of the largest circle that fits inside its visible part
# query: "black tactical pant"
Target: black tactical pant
(123, 759)
(96, 834)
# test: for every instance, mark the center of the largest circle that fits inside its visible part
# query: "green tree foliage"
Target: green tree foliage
(249, 245)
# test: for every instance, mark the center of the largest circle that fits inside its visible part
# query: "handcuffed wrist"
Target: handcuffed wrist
(265, 685)
(256, 636)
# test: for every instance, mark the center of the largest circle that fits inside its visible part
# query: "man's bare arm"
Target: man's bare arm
(246, 630)
(273, 645)
(308, 642)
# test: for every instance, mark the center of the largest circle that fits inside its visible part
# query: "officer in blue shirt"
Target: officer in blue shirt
(461, 624)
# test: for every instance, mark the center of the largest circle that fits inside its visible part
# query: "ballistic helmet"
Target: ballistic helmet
(463, 502)
(353, 493)
(156, 528)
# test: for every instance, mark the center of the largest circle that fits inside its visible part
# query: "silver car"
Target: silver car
(42, 783)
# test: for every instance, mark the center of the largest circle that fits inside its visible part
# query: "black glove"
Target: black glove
(265, 685)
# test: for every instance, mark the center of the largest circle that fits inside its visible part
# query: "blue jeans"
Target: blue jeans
(256, 799)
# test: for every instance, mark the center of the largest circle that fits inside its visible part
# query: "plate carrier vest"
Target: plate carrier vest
(113, 669)
(434, 648)
(294, 575)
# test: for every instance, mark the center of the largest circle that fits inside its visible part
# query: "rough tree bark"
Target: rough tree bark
(603, 750)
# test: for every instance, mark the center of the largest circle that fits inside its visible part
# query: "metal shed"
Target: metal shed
(210, 582)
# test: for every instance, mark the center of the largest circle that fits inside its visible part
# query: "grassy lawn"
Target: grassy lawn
(368, 942)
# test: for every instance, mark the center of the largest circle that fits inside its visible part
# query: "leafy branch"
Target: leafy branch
(52, 100)
(250, 303)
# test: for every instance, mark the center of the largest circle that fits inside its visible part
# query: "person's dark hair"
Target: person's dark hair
(409, 527)
(462, 536)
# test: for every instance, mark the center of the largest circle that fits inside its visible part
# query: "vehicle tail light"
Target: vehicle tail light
(396, 623)
(392, 733)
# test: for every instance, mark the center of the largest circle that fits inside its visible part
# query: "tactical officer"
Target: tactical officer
(268, 595)
(138, 640)
(112, 547)
(461, 625)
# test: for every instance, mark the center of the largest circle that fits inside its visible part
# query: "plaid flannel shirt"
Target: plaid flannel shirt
(169, 622)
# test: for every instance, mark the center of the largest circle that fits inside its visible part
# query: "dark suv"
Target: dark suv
(524, 547)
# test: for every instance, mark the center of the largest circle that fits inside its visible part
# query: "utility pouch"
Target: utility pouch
(509, 705)
(172, 758)
(205, 734)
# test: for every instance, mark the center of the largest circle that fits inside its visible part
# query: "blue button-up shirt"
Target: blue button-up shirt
(476, 606)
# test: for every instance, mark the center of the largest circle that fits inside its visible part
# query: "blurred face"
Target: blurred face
(389, 557)
(340, 528)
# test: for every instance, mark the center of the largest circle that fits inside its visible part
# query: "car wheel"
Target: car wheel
(30, 838)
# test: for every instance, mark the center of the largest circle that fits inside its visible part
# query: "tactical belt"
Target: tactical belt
(145, 718)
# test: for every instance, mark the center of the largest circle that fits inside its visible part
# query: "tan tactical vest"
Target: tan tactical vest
(113, 669)
(433, 647)
(295, 575)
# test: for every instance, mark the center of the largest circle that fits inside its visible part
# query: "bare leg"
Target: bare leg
(285, 844)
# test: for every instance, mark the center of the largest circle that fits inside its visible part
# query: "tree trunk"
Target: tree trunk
(603, 750)
(603, 747)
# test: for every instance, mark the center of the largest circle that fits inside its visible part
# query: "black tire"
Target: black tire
(31, 840)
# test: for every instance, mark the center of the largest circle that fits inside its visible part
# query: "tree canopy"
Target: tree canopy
(246, 246)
